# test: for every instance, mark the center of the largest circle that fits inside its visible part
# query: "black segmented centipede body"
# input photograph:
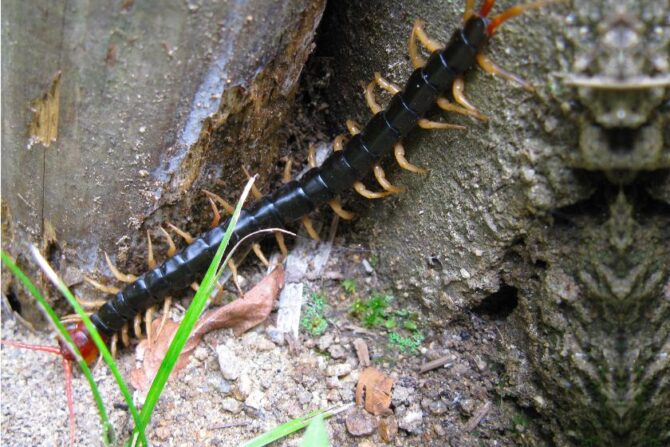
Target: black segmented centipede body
(317, 187)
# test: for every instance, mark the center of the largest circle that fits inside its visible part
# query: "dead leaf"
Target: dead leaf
(240, 316)
(376, 387)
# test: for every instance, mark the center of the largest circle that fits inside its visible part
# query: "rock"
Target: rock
(333, 382)
(243, 389)
(410, 418)
(339, 370)
(325, 341)
(337, 351)
(275, 335)
(438, 407)
(228, 362)
(401, 395)
(231, 405)
(263, 344)
(255, 399)
(360, 423)
(388, 428)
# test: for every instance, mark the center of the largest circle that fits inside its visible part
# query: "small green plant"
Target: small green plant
(401, 325)
(410, 343)
(349, 286)
(314, 321)
(374, 261)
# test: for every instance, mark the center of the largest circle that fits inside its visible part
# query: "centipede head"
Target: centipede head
(82, 339)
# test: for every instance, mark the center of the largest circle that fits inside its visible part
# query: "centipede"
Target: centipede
(435, 82)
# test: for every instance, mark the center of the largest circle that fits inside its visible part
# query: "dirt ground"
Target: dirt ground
(459, 402)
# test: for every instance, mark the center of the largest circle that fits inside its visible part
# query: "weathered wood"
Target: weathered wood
(157, 100)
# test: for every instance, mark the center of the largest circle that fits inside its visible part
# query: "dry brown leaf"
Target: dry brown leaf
(376, 387)
(240, 316)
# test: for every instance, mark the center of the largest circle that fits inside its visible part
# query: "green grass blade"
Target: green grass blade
(293, 426)
(107, 428)
(316, 434)
(191, 316)
(102, 347)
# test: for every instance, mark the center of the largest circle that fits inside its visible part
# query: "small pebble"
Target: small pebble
(325, 341)
(231, 405)
(339, 370)
(388, 428)
(411, 419)
(229, 364)
(360, 423)
(337, 352)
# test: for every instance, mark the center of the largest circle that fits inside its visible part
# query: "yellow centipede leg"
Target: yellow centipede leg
(281, 243)
(103, 288)
(137, 326)
(123, 277)
(185, 235)
(215, 210)
(309, 227)
(259, 254)
(172, 248)
(336, 206)
(491, 68)
(399, 152)
(360, 188)
(428, 43)
(227, 207)
(458, 90)
(385, 184)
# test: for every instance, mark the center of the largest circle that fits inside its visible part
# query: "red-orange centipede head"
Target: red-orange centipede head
(82, 339)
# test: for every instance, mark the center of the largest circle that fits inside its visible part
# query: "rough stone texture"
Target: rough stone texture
(157, 101)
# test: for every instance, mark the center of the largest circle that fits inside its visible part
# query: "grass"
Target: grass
(142, 419)
(315, 436)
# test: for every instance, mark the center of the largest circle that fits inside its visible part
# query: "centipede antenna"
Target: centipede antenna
(43, 348)
(486, 7)
(172, 248)
(217, 216)
(399, 153)
(513, 11)
(70, 400)
(123, 277)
